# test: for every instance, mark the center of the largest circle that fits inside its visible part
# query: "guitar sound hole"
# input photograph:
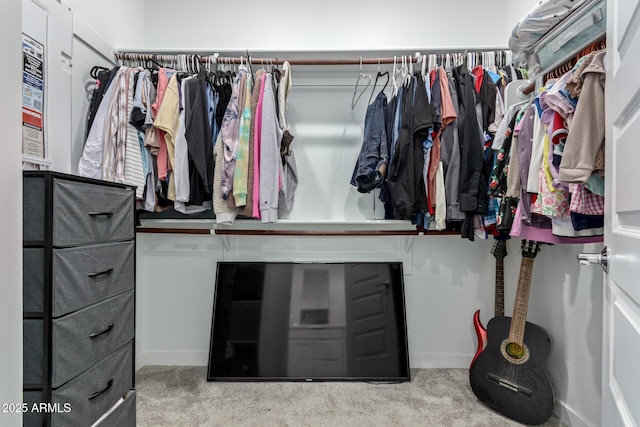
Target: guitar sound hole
(514, 352)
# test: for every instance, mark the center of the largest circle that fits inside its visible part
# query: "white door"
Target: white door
(621, 317)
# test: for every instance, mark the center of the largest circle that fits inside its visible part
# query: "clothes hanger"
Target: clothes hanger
(195, 63)
(386, 73)
(274, 66)
(361, 75)
(395, 75)
(96, 70)
(406, 77)
(407, 72)
(155, 64)
(249, 65)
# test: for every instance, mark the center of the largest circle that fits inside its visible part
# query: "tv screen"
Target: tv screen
(309, 321)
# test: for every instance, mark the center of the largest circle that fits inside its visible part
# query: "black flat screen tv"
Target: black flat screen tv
(309, 322)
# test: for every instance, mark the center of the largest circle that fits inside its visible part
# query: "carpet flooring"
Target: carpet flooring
(181, 396)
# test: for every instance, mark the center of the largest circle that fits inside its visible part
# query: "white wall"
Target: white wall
(11, 216)
(176, 276)
(322, 24)
(119, 22)
(304, 26)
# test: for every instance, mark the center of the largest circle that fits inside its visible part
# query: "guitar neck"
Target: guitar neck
(499, 303)
(516, 333)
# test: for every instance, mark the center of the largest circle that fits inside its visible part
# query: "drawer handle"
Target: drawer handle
(101, 273)
(98, 393)
(97, 334)
(105, 213)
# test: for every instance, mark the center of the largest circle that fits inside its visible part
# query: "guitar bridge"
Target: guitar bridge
(510, 385)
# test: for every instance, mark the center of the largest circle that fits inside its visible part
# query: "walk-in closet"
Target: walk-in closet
(313, 213)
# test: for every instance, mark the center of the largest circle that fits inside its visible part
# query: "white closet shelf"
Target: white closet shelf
(284, 227)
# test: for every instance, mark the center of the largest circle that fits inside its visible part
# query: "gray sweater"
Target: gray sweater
(270, 164)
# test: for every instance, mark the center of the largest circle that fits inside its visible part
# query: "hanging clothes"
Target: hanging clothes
(406, 182)
(270, 165)
(198, 135)
(257, 150)
(230, 131)
(289, 166)
(471, 152)
(586, 135)
(181, 149)
(90, 164)
(241, 171)
(103, 80)
(133, 168)
(253, 159)
(224, 213)
(164, 166)
(372, 164)
(168, 120)
(450, 154)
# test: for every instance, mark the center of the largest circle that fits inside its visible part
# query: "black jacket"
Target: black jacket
(471, 143)
(405, 182)
(198, 135)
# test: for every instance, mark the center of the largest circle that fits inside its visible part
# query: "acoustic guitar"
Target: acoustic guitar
(509, 376)
(499, 251)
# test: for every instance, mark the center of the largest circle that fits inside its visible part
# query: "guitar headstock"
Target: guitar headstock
(530, 248)
(499, 249)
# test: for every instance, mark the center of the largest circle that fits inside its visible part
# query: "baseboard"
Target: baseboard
(427, 361)
(570, 417)
(175, 358)
(201, 358)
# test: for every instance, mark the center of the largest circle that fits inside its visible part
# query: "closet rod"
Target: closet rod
(237, 60)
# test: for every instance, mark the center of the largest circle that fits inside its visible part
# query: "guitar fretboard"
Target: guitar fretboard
(516, 333)
(499, 303)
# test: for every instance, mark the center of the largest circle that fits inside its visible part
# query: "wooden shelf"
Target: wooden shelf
(167, 230)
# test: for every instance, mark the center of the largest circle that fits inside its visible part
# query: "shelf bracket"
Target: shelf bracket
(406, 254)
(228, 250)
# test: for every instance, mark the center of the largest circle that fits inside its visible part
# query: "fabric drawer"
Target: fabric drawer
(87, 213)
(33, 211)
(33, 279)
(32, 351)
(85, 275)
(85, 337)
(124, 415)
(91, 394)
